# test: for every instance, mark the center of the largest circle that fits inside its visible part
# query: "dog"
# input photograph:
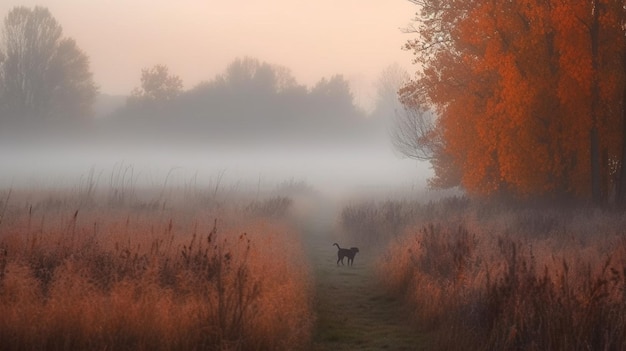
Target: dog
(349, 253)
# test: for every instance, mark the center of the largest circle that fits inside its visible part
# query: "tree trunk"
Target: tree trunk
(620, 197)
(596, 188)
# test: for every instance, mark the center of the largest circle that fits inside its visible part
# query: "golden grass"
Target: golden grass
(493, 278)
(151, 278)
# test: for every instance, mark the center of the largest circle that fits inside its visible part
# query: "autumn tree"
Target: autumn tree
(43, 75)
(158, 87)
(525, 91)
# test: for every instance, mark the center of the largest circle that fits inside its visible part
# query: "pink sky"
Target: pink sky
(197, 39)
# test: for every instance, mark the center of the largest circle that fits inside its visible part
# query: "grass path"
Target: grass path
(353, 311)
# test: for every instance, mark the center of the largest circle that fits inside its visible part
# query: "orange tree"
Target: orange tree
(528, 94)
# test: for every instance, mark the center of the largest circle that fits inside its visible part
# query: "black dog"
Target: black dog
(349, 253)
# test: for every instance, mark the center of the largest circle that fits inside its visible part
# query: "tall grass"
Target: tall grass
(151, 278)
(494, 278)
(375, 223)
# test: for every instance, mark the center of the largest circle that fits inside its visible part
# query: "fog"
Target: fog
(249, 137)
(332, 172)
(248, 122)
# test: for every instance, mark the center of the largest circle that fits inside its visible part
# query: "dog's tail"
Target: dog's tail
(335, 244)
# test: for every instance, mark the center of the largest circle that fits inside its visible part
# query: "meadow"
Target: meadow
(489, 276)
(185, 267)
(151, 269)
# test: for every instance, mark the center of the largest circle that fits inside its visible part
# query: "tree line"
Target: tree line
(251, 100)
(528, 97)
(44, 76)
(45, 79)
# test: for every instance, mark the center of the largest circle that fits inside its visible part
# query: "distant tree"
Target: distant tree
(262, 94)
(43, 75)
(388, 85)
(414, 134)
(333, 93)
(74, 90)
(250, 74)
(158, 87)
(250, 101)
(389, 113)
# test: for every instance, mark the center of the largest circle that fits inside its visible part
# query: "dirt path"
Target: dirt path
(353, 311)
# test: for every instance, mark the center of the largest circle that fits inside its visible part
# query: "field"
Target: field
(496, 277)
(193, 269)
(144, 271)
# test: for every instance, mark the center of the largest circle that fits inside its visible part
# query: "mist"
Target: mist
(333, 172)
(250, 120)
(253, 125)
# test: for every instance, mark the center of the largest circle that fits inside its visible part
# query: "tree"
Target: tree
(412, 123)
(44, 76)
(389, 82)
(333, 93)
(264, 94)
(74, 91)
(413, 133)
(249, 75)
(158, 87)
(527, 93)
(591, 77)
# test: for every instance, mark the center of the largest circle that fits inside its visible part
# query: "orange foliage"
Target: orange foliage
(514, 83)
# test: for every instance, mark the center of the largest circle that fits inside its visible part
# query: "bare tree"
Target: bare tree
(43, 75)
(388, 84)
(387, 98)
(413, 133)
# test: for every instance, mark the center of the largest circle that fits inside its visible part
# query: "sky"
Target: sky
(197, 39)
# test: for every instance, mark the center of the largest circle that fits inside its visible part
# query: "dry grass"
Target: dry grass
(158, 277)
(493, 278)
(375, 223)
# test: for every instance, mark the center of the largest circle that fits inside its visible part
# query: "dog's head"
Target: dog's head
(354, 249)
